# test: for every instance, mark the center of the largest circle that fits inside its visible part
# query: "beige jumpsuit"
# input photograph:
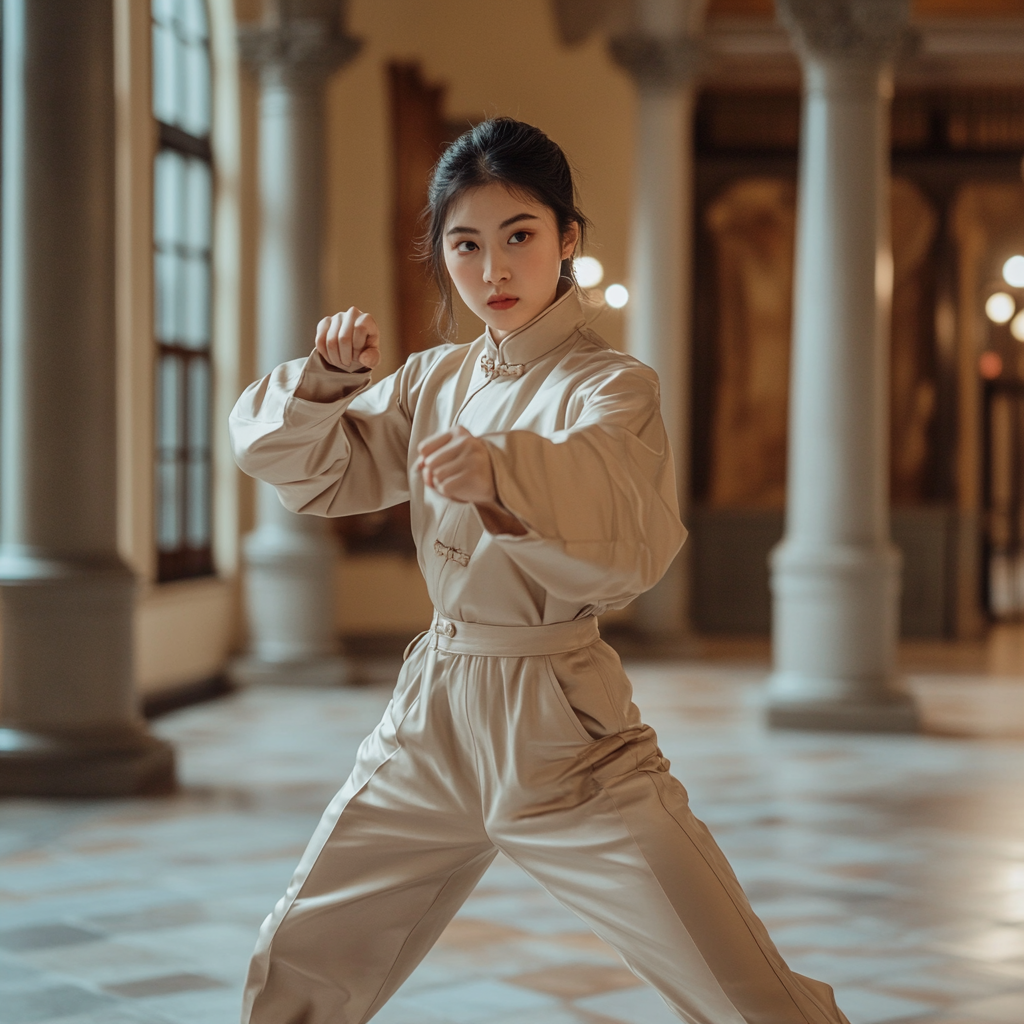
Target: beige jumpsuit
(512, 726)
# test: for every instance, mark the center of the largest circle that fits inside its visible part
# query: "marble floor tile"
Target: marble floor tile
(104, 963)
(474, 1001)
(45, 936)
(119, 1015)
(866, 1006)
(210, 1006)
(575, 981)
(1004, 1009)
(50, 1003)
(164, 985)
(630, 1006)
(891, 867)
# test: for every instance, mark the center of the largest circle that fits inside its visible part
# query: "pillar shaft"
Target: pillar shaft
(68, 717)
(835, 576)
(289, 558)
(663, 57)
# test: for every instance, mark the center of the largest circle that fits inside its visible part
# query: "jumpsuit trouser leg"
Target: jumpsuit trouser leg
(543, 756)
(394, 856)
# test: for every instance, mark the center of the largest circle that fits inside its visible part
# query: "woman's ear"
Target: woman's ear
(569, 240)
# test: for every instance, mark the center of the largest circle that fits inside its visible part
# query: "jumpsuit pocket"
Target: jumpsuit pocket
(411, 645)
(563, 701)
(596, 690)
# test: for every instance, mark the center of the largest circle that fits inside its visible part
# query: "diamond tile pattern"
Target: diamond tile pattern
(890, 866)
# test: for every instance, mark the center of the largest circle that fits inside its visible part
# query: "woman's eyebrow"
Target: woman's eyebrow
(517, 217)
(504, 224)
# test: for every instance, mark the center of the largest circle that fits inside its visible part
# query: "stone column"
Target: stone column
(290, 559)
(663, 56)
(69, 723)
(836, 574)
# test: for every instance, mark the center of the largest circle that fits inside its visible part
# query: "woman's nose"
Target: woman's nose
(496, 270)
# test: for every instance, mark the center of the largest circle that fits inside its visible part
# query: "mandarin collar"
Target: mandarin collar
(545, 331)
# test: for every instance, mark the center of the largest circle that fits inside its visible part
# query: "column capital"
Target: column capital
(301, 49)
(868, 31)
(658, 62)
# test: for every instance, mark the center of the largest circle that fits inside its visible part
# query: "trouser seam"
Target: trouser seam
(725, 888)
(398, 956)
(476, 755)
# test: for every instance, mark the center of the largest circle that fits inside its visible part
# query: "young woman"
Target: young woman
(542, 494)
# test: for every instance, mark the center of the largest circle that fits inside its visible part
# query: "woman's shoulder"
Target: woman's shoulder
(597, 361)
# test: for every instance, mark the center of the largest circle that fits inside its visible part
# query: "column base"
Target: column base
(898, 715)
(320, 672)
(130, 762)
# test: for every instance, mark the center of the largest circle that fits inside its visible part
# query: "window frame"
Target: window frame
(185, 560)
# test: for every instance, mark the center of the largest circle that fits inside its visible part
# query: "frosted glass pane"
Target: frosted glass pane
(168, 515)
(193, 18)
(198, 195)
(163, 11)
(198, 406)
(168, 431)
(169, 189)
(195, 302)
(167, 273)
(165, 74)
(198, 530)
(194, 104)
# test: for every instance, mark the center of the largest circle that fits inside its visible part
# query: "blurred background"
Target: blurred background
(421, 74)
(268, 162)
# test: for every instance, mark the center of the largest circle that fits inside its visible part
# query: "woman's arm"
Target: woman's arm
(597, 501)
(328, 441)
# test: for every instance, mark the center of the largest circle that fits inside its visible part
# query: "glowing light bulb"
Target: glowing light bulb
(1013, 271)
(588, 271)
(616, 295)
(999, 307)
(1017, 326)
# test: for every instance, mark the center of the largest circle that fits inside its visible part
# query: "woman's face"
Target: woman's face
(504, 254)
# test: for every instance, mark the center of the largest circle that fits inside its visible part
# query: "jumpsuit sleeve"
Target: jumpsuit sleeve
(598, 499)
(329, 442)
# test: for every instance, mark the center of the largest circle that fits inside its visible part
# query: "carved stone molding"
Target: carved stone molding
(302, 49)
(872, 30)
(658, 62)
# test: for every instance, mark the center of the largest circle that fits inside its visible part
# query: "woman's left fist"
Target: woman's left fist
(457, 465)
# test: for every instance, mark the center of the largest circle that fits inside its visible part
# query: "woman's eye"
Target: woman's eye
(465, 246)
(519, 236)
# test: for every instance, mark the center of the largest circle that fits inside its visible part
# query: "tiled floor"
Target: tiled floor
(892, 867)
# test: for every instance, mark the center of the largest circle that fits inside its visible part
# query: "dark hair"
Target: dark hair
(514, 154)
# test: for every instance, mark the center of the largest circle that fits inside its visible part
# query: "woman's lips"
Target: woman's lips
(502, 302)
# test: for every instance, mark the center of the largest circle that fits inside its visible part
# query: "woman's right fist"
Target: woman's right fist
(350, 340)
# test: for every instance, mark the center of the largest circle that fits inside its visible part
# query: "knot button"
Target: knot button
(494, 370)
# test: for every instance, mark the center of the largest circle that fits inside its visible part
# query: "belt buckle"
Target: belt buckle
(445, 628)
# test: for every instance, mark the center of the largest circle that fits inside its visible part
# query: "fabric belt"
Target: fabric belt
(477, 638)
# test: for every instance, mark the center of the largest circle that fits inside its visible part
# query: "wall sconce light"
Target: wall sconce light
(999, 307)
(1017, 326)
(1013, 271)
(616, 295)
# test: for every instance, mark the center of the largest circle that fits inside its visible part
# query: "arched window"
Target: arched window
(182, 231)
